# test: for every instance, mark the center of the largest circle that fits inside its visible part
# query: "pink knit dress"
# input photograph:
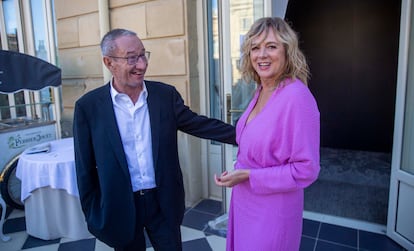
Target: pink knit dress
(281, 148)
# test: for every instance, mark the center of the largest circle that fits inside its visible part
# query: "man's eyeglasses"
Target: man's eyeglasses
(132, 60)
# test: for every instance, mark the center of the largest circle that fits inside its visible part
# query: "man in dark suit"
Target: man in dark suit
(127, 166)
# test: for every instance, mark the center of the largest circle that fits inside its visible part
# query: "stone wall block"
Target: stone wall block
(81, 62)
(68, 33)
(131, 17)
(168, 57)
(89, 32)
(179, 82)
(119, 3)
(165, 18)
(70, 8)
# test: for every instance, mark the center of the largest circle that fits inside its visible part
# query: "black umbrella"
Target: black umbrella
(21, 71)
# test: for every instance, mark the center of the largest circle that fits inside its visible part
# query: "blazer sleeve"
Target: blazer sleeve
(87, 177)
(201, 126)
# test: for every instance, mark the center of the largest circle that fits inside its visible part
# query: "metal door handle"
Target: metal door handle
(229, 110)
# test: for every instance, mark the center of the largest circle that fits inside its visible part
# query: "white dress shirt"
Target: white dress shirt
(134, 128)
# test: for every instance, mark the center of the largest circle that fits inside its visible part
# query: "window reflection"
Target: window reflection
(214, 60)
(4, 107)
(39, 35)
(10, 21)
(242, 15)
(39, 38)
(4, 99)
(20, 104)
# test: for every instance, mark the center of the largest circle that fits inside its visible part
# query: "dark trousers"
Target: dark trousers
(162, 235)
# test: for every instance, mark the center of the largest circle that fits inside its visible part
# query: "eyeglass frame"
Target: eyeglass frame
(135, 58)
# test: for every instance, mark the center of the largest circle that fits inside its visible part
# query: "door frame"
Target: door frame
(398, 176)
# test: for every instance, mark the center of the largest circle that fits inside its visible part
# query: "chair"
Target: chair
(3, 216)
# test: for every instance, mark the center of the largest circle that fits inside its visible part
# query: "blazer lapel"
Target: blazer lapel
(106, 111)
(154, 110)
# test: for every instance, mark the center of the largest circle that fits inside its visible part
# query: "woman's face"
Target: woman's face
(267, 56)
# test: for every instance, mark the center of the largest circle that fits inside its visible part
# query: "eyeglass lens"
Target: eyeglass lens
(134, 59)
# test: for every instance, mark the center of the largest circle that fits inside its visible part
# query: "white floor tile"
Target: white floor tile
(16, 213)
(64, 240)
(188, 234)
(217, 243)
(16, 242)
(100, 246)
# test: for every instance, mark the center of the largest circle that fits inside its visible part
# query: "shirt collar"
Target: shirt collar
(115, 93)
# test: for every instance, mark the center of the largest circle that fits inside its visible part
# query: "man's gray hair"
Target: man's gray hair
(108, 45)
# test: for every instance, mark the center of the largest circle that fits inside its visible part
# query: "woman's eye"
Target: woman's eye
(255, 48)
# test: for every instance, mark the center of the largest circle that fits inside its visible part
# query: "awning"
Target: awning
(21, 71)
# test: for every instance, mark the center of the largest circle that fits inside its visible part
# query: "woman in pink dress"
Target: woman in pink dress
(278, 138)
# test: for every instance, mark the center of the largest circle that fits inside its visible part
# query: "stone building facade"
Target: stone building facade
(166, 28)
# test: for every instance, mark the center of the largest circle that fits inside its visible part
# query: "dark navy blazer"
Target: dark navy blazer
(102, 173)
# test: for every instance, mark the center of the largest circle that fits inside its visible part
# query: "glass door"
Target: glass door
(401, 204)
(237, 93)
(227, 22)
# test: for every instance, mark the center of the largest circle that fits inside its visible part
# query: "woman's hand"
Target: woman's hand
(232, 178)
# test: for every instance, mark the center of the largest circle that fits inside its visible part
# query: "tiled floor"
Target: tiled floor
(198, 236)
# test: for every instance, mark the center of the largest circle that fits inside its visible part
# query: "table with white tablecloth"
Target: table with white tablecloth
(50, 193)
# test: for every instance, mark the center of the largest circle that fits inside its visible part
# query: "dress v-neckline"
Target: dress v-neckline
(254, 104)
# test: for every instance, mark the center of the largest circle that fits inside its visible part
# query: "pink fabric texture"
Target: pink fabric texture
(281, 148)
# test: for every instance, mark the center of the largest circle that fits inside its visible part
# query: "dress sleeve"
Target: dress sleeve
(297, 146)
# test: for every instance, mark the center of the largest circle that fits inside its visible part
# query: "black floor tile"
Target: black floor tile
(198, 245)
(310, 228)
(81, 245)
(32, 242)
(14, 225)
(377, 242)
(328, 246)
(307, 244)
(197, 220)
(338, 234)
(210, 206)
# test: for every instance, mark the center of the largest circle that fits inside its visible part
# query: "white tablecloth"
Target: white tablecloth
(55, 169)
(50, 193)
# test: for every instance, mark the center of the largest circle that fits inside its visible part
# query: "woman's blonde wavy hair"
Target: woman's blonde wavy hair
(296, 66)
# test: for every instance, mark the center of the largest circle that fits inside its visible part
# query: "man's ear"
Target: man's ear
(107, 62)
